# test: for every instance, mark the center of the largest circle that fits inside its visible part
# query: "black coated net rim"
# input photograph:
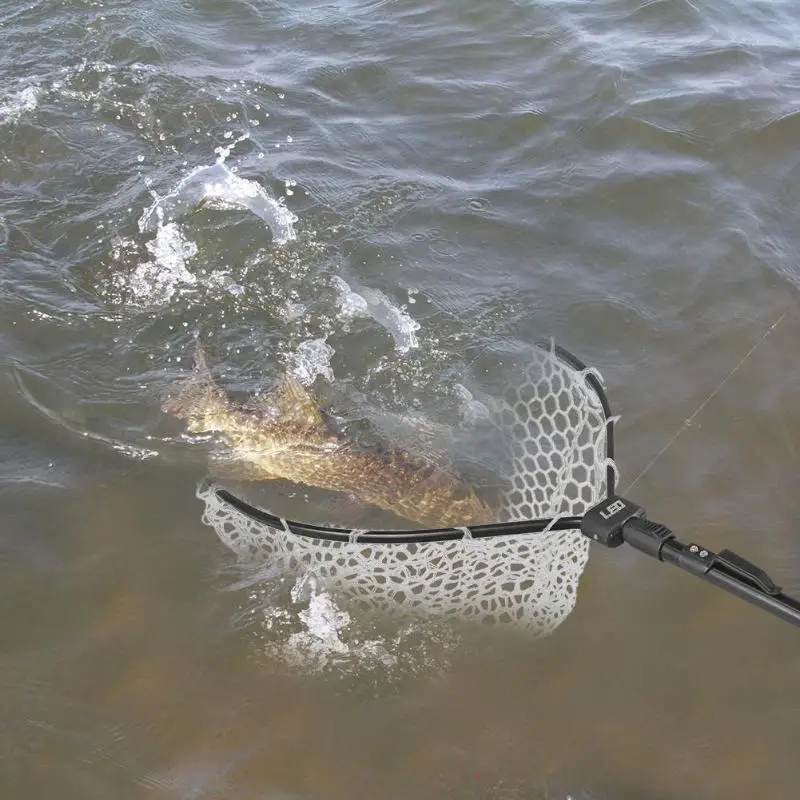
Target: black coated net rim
(425, 535)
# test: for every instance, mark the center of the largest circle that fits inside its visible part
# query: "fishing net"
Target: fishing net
(523, 569)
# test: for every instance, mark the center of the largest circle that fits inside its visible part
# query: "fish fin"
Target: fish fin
(196, 395)
(292, 403)
(186, 398)
(201, 362)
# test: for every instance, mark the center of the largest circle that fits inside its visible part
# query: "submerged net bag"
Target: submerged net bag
(524, 569)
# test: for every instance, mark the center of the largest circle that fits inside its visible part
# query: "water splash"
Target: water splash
(215, 186)
(155, 282)
(19, 103)
(313, 634)
(375, 304)
(351, 304)
(312, 358)
(324, 624)
(218, 187)
(396, 320)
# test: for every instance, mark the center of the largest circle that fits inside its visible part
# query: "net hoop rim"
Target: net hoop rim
(427, 535)
(595, 382)
(494, 529)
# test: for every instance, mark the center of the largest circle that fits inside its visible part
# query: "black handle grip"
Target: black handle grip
(616, 520)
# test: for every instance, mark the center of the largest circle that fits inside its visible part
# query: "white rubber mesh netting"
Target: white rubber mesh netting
(555, 429)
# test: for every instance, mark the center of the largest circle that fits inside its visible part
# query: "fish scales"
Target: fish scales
(285, 436)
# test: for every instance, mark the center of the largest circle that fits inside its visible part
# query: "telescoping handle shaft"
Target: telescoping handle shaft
(617, 520)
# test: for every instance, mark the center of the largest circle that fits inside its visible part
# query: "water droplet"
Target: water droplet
(479, 204)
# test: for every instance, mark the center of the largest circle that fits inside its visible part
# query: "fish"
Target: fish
(285, 435)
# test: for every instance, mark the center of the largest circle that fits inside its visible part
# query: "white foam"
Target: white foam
(220, 188)
(351, 304)
(294, 311)
(312, 358)
(397, 321)
(19, 103)
(314, 635)
(324, 624)
(155, 282)
(374, 303)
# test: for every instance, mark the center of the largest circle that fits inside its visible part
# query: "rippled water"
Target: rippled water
(391, 201)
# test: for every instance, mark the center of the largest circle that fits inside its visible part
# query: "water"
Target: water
(390, 200)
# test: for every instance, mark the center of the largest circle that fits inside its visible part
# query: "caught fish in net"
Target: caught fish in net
(515, 558)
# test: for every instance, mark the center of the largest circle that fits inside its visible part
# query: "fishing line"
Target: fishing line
(708, 399)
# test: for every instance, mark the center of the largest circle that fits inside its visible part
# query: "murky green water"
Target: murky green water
(391, 200)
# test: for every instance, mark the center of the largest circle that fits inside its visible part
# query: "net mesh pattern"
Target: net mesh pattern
(554, 427)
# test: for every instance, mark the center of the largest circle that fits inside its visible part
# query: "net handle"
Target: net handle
(617, 521)
(492, 530)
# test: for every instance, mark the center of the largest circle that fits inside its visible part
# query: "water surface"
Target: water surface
(391, 200)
